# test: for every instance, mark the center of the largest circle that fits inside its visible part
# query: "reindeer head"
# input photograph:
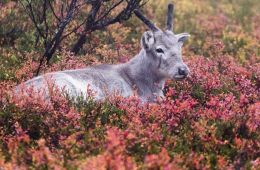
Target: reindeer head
(164, 47)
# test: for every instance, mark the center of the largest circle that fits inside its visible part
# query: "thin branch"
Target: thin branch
(123, 15)
(113, 7)
(62, 11)
(30, 13)
(45, 20)
(64, 22)
(93, 13)
(53, 12)
(74, 30)
(146, 21)
(54, 43)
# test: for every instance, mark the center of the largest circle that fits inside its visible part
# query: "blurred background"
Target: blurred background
(28, 30)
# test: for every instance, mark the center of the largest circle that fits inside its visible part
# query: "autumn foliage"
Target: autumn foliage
(211, 120)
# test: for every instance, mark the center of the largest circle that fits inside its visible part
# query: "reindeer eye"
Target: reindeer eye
(159, 50)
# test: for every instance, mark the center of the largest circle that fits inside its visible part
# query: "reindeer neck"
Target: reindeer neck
(141, 72)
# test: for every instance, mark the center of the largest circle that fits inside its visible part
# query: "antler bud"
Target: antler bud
(169, 21)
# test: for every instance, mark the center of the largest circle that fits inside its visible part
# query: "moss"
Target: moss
(138, 151)
(227, 150)
(198, 93)
(213, 161)
(243, 131)
(111, 115)
(182, 146)
(196, 144)
(225, 131)
(154, 148)
(7, 118)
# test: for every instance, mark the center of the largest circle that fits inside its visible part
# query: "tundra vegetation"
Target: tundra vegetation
(211, 120)
(159, 59)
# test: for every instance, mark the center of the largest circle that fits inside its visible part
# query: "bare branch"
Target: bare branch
(113, 7)
(54, 43)
(53, 12)
(54, 31)
(92, 24)
(123, 15)
(73, 30)
(146, 21)
(30, 13)
(44, 19)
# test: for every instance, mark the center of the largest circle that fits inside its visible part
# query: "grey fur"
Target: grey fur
(159, 59)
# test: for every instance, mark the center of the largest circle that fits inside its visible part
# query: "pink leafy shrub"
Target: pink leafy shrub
(211, 120)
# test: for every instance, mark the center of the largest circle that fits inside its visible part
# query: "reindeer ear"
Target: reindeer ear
(147, 40)
(182, 37)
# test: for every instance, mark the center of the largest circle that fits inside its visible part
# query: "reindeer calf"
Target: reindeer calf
(159, 59)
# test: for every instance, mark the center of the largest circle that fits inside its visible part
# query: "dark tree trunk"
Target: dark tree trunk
(79, 44)
(49, 51)
(45, 58)
(52, 38)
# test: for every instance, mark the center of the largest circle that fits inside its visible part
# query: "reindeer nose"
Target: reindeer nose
(183, 71)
